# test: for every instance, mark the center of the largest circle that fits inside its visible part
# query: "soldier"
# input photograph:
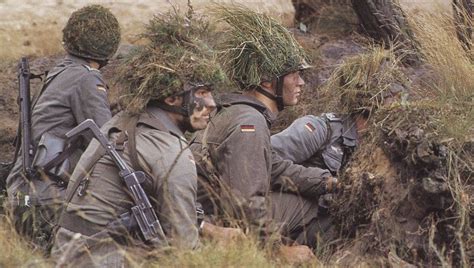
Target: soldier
(242, 180)
(167, 90)
(74, 90)
(329, 140)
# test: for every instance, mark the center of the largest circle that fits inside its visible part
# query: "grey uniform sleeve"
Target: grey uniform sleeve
(301, 140)
(243, 163)
(310, 182)
(174, 185)
(90, 100)
(294, 145)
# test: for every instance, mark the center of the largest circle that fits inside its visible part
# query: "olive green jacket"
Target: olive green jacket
(171, 188)
(238, 140)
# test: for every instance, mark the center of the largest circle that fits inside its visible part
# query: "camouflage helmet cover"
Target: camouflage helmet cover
(257, 48)
(176, 57)
(92, 32)
(364, 81)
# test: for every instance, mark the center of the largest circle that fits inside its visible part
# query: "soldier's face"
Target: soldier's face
(205, 104)
(292, 86)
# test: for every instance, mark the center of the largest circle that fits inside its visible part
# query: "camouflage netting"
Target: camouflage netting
(92, 32)
(176, 52)
(362, 82)
(257, 47)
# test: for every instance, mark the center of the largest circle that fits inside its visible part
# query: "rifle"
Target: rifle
(27, 148)
(142, 213)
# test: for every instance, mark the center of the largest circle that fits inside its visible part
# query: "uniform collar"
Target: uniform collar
(75, 59)
(165, 120)
(237, 98)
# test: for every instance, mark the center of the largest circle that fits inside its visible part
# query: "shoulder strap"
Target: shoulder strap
(328, 136)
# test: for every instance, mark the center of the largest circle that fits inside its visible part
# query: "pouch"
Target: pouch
(49, 147)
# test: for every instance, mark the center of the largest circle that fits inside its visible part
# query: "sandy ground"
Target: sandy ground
(30, 27)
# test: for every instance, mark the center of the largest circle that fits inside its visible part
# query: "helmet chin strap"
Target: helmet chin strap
(279, 93)
(278, 97)
(186, 109)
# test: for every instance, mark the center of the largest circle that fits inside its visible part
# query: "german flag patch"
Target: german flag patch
(309, 127)
(247, 128)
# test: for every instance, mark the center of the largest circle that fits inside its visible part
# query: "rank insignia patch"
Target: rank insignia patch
(309, 127)
(247, 128)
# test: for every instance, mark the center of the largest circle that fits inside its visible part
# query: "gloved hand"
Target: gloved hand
(332, 185)
(222, 235)
(296, 254)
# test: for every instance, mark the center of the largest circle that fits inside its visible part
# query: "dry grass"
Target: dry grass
(455, 97)
(244, 253)
(15, 252)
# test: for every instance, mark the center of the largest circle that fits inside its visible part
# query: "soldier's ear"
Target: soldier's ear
(267, 85)
(174, 100)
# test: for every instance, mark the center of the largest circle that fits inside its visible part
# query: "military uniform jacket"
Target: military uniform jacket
(324, 141)
(163, 155)
(238, 138)
(75, 92)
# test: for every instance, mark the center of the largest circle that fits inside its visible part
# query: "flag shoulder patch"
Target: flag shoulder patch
(247, 128)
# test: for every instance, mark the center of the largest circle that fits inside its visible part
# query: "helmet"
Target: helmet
(258, 48)
(92, 32)
(175, 60)
(363, 82)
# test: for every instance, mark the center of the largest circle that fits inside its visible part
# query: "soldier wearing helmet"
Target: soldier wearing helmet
(328, 141)
(242, 181)
(166, 90)
(73, 91)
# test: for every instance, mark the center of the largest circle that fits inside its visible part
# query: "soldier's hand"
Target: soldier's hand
(296, 254)
(222, 235)
(332, 185)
